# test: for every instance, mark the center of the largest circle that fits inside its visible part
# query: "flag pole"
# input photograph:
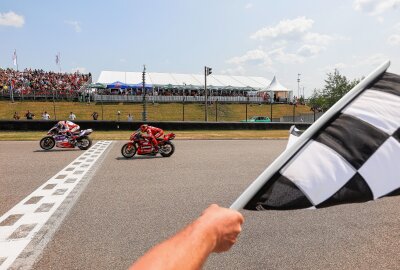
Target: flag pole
(279, 162)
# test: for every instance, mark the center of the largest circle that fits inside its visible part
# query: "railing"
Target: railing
(168, 99)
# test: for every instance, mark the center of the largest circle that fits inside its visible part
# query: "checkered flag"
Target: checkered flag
(350, 154)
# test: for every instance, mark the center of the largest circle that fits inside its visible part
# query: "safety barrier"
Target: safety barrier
(42, 125)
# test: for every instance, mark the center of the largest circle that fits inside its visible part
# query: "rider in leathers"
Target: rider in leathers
(68, 128)
(152, 133)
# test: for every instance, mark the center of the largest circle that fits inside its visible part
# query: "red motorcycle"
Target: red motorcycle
(143, 146)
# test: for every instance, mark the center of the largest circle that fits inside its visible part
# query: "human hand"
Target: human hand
(223, 224)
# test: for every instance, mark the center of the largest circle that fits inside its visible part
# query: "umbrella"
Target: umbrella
(97, 85)
(119, 85)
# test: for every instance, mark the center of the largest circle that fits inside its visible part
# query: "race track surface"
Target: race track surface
(121, 208)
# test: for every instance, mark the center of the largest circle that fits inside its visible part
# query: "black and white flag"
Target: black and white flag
(350, 154)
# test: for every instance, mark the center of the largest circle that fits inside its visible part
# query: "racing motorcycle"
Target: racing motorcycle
(79, 139)
(143, 146)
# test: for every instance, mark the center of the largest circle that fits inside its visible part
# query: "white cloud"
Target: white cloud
(238, 70)
(310, 50)
(248, 5)
(280, 55)
(394, 40)
(316, 38)
(285, 28)
(79, 69)
(122, 60)
(375, 7)
(255, 57)
(373, 60)
(76, 25)
(338, 66)
(11, 19)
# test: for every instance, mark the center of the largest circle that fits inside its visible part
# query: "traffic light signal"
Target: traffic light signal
(208, 71)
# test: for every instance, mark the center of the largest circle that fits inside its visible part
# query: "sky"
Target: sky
(253, 38)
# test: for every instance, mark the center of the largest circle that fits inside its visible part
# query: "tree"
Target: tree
(336, 86)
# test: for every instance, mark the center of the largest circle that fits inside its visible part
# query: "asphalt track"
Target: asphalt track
(127, 206)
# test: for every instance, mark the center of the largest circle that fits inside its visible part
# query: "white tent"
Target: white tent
(277, 91)
(245, 83)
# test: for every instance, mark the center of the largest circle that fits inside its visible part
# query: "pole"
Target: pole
(271, 111)
(183, 109)
(12, 94)
(298, 85)
(54, 107)
(205, 93)
(102, 111)
(144, 113)
(246, 111)
(216, 110)
(314, 113)
(294, 111)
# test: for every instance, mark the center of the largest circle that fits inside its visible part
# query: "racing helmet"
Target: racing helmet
(144, 127)
(59, 125)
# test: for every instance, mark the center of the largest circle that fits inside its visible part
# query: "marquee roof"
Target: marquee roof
(276, 86)
(186, 80)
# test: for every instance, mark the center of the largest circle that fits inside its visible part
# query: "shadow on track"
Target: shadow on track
(138, 158)
(56, 150)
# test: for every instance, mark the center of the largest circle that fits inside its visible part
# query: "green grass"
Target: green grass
(155, 112)
(180, 135)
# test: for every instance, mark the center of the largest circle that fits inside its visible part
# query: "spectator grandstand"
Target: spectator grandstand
(39, 84)
(114, 86)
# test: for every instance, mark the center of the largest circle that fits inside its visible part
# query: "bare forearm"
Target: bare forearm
(186, 250)
(216, 230)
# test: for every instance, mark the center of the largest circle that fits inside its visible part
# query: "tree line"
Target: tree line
(336, 86)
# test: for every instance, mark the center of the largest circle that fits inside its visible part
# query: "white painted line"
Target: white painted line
(21, 223)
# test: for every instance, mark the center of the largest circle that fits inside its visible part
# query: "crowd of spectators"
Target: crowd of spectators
(29, 83)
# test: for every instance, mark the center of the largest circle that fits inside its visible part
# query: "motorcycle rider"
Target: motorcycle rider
(152, 133)
(67, 128)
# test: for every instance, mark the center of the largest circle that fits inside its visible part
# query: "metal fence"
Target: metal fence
(161, 111)
(169, 99)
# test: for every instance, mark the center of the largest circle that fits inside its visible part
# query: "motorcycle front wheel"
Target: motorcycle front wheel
(47, 143)
(128, 150)
(167, 149)
(84, 143)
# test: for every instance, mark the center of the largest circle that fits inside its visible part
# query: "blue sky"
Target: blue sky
(255, 38)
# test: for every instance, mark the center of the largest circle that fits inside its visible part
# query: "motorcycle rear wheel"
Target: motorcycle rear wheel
(167, 149)
(128, 150)
(84, 143)
(47, 143)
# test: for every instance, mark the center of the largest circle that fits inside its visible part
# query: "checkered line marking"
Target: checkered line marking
(21, 223)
